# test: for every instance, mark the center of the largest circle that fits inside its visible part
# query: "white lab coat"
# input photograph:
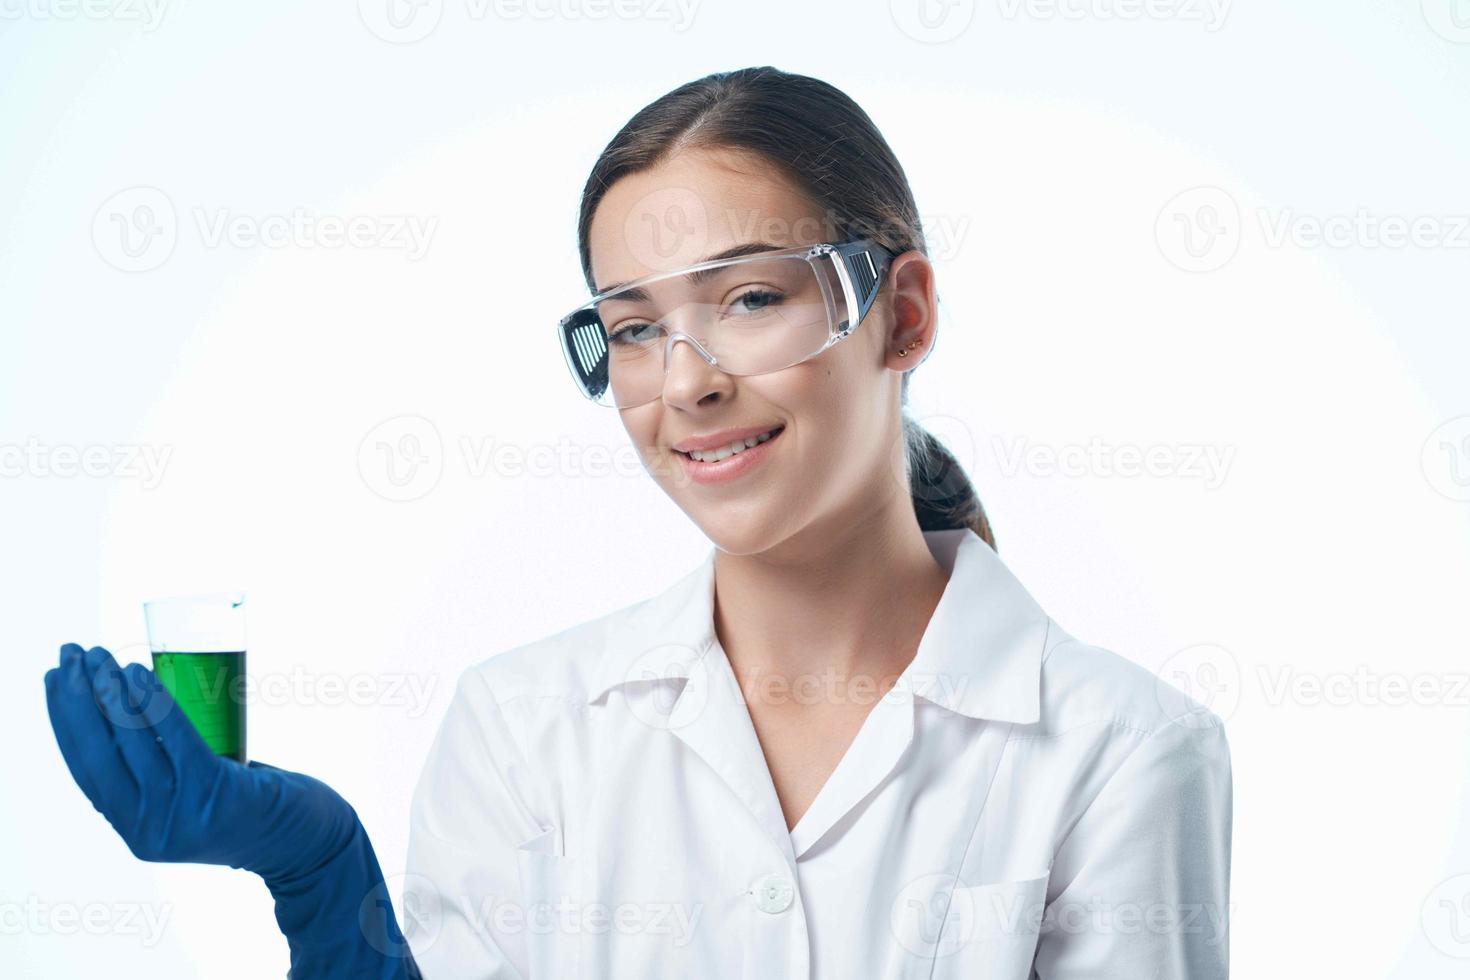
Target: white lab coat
(1022, 804)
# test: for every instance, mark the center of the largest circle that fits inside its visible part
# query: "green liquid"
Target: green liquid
(210, 688)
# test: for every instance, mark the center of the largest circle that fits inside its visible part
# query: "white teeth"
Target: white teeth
(724, 452)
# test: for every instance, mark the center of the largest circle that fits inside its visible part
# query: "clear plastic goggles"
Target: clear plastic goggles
(752, 314)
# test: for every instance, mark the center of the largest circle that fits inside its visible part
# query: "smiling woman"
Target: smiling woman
(701, 167)
(849, 743)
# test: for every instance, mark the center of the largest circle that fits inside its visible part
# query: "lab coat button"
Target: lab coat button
(773, 893)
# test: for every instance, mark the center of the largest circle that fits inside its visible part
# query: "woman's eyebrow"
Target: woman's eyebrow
(695, 278)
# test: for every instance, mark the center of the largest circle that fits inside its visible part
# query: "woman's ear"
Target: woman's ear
(914, 318)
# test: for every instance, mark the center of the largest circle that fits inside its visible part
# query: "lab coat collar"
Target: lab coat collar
(979, 656)
(981, 653)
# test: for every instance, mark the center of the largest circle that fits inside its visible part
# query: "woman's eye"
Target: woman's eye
(756, 301)
(637, 333)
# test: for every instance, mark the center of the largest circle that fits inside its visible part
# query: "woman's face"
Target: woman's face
(837, 459)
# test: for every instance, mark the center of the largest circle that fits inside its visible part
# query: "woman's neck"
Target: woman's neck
(829, 607)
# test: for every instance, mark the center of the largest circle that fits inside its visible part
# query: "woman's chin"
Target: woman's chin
(739, 530)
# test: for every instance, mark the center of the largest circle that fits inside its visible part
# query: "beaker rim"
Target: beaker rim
(233, 598)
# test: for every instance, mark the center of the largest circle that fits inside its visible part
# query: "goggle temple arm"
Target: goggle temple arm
(866, 263)
(585, 345)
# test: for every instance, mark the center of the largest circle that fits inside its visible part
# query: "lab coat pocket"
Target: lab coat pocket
(991, 930)
(551, 905)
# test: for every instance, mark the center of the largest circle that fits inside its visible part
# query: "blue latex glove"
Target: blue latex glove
(145, 768)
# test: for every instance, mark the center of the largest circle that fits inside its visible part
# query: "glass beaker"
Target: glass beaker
(198, 647)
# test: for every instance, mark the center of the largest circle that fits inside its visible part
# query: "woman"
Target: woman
(847, 744)
(650, 793)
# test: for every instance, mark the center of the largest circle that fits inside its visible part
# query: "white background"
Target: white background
(1066, 158)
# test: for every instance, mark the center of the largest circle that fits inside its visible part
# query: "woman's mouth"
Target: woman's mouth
(727, 462)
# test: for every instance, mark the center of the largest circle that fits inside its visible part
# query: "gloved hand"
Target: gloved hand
(145, 768)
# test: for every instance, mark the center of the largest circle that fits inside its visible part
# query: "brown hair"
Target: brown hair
(824, 143)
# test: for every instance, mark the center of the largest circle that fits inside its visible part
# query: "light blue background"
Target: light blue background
(1048, 147)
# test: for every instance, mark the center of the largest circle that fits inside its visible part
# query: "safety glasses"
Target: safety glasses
(752, 314)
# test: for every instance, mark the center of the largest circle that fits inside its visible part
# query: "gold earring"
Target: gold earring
(904, 352)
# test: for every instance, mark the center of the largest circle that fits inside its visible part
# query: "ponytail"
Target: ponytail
(944, 498)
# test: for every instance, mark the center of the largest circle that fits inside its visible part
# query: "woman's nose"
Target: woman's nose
(690, 371)
(695, 348)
